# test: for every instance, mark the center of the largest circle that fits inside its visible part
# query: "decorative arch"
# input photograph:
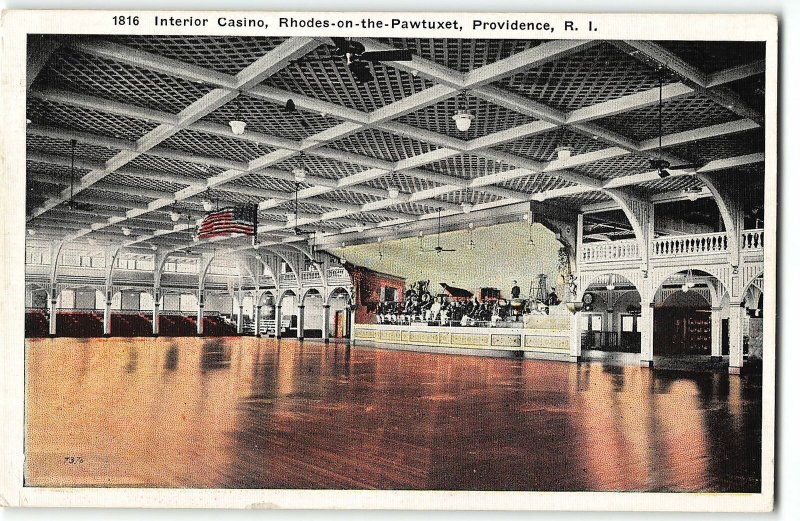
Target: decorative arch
(258, 301)
(632, 277)
(308, 291)
(306, 251)
(339, 290)
(282, 294)
(717, 292)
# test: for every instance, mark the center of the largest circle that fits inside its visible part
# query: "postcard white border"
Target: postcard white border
(15, 27)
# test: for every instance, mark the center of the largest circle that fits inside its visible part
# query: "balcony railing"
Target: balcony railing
(338, 274)
(698, 244)
(310, 276)
(752, 240)
(288, 278)
(610, 251)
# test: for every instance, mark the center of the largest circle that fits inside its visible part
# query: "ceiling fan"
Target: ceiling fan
(438, 249)
(71, 203)
(358, 58)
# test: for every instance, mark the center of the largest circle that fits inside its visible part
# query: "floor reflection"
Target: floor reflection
(246, 412)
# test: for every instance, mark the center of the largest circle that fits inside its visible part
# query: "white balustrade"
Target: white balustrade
(288, 278)
(310, 276)
(338, 274)
(610, 251)
(752, 240)
(698, 244)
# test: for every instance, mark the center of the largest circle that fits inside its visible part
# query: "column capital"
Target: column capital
(327, 306)
(301, 306)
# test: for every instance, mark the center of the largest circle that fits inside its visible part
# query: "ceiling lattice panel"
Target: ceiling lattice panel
(403, 182)
(471, 196)
(409, 208)
(304, 207)
(382, 145)
(140, 182)
(331, 81)
(264, 181)
(730, 145)
(210, 145)
(670, 184)
(349, 197)
(535, 183)
(62, 147)
(468, 166)
(462, 55)
(598, 74)
(716, 56)
(271, 119)
(59, 173)
(542, 147)
(489, 118)
(112, 194)
(321, 166)
(617, 167)
(226, 54)
(174, 166)
(686, 113)
(369, 218)
(84, 74)
(578, 200)
(91, 121)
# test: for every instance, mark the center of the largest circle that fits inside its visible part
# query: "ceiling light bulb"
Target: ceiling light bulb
(208, 204)
(685, 288)
(610, 287)
(463, 121)
(291, 216)
(693, 193)
(299, 174)
(126, 231)
(237, 127)
(31, 231)
(196, 238)
(174, 216)
(27, 121)
(466, 207)
(394, 193)
(153, 247)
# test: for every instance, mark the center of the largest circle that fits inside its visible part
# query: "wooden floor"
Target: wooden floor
(246, 412)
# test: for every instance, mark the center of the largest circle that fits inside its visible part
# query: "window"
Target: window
(591, 322)
(629, 324)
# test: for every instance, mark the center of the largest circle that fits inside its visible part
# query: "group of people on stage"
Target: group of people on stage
(419, 305)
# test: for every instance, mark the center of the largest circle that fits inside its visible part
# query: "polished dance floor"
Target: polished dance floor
(246, 412)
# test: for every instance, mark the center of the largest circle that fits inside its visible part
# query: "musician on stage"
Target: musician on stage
(515, 291)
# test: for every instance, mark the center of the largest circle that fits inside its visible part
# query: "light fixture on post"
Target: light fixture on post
(237, 124)
(471, 243)
(463, 118)
(610, 285)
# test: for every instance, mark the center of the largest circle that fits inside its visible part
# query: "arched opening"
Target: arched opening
(287, 305)
(753, 320)
(683, 324)
(611, 316)
(339, 301)
(313, 315)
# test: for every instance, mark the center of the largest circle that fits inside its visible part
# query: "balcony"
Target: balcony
(712, 247)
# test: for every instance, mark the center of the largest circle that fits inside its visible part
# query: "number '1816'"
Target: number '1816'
(126, 20)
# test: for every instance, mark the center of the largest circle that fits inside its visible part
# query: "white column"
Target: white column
(301, 316)
(326, 322)
(53, 303)
(200, 308)
(257, 331)
(351, 322)
(107, 316)
(156, 308)
(240, 320)
(277, 321)
(735, 338)
(646, 334)
(575, 336)
(716, 332)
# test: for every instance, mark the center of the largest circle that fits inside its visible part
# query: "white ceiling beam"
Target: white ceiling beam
(736, 73)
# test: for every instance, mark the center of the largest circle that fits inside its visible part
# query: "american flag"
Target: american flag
(229, 221)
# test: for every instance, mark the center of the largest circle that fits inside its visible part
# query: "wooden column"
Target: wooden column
(326, 322)
(646, 334)
(301, 315)
(736, 338)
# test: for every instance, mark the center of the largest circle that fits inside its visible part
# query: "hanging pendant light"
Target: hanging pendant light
(31, 231)
(610, 285)
(471, 243)
(467, 205)
(237, 124)
(660, 164)
(126, 231)
(299, 172)
(463, 118)
(174, 215)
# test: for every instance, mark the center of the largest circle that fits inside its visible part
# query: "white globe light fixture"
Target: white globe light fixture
(126, 231)
(31, 231)
(466, 207)
(394, 193)
(237, 126)
(563, 153)
(299, 174)
(463, 121)
(208, 204)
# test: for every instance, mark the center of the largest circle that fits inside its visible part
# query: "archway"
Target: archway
(611, 316)
(689, 315)
(311, 315)
(338, 310)
(286, 314)
(753, 326)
